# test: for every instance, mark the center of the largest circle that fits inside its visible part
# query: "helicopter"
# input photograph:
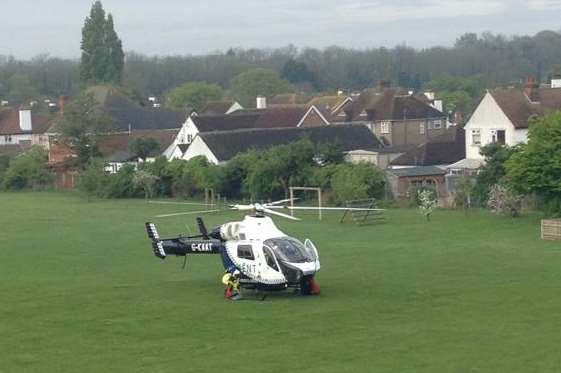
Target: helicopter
(261, 256)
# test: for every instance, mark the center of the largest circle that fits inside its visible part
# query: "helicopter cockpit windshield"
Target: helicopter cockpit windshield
(289, 249)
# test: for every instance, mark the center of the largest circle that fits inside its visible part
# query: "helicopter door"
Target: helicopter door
(312, 251)
(270, 258)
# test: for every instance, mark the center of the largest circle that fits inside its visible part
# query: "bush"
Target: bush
(121, 184)
(28, 170)
(93, 180)
(350, 181)
(504, 201)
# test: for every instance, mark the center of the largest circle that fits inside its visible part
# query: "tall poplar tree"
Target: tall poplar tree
(102, 50)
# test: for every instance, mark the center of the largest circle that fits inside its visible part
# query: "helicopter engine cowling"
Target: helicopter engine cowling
(232, 231)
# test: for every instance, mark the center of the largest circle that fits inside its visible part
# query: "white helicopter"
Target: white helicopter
(262, 256)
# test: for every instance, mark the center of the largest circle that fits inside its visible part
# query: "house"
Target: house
(394, 115)
(270, 117)
(220, 107)
(503, 115)
(221, 146)
(24, 127)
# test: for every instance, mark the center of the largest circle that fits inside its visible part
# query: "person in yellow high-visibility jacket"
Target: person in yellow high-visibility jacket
(232, 282)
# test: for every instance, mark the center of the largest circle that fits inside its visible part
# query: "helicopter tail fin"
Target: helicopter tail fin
(157, 245)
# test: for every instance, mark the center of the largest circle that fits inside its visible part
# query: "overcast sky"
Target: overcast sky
(167, 27)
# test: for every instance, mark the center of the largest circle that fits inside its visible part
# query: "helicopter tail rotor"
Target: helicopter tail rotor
(157, 245)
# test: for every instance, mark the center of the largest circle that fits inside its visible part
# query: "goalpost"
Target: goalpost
(310, 189)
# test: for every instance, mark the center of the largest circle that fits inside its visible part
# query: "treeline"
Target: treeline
(251, 175)
(491, 58)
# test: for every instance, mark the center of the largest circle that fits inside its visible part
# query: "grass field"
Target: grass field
(80, 291)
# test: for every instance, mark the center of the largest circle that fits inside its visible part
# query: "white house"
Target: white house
(503, 115)
(354, 140)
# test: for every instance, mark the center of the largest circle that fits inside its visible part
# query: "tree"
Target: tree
(194, 95)
(142, 147)
(536, 168)
(245, 87)
(21, 90)
(146, 181)
(493, 171)
(298, 72)
(28, 170)
(81, 125)
(93, 180)
(356, 181)
(427, 202)
(102, 51)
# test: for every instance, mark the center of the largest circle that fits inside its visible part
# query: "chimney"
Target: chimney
(531, 89)
(25, 120)
(438, 105)
(261, 102)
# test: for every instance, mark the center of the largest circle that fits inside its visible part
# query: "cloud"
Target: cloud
(543, 4)
(402, 10)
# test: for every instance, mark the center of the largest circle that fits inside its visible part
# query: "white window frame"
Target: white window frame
(475, 132)
(421, 128)
(385, 127)
(437, 124)
(189, 138)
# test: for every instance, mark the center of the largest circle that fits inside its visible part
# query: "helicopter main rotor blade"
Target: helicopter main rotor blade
(280, 201)
(177, 203)
(272, 212)
(326, 208)
(242, 207)
(186, 213)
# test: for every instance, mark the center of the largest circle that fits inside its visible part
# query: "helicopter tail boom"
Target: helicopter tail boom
(180, 246)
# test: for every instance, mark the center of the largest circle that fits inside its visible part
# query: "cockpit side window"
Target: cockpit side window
(271, 262)
(245, 252)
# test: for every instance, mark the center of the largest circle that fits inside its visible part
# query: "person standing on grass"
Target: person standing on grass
(232, 282)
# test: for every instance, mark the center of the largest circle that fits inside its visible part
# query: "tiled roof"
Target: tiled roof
(116, 147)
(9, 123)
(518, 108)
(272, 117)
(226, 145)
(216, 107)
(125, 112)
(389, 104)
(447, 148)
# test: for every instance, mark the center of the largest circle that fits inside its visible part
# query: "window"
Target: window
(476, 137)
(270, 258)
(289, 249)
(245, 252)
(422, 128)
(385, 126)
(437, 124)
(498, 136)
(189, 139)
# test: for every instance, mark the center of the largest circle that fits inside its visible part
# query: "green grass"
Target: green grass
(80, 291)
